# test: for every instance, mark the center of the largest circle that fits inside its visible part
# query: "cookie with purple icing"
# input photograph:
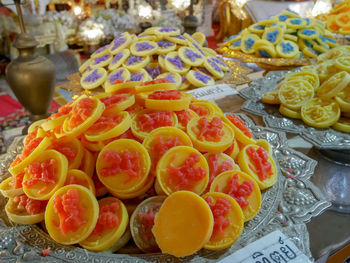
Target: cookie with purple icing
(199, 79)
(173, 63)
(165, 46)
(213, 68)
(220, 63)
(119, 43)
(84, 66)
(167, 31)
(209, 52)
(161, 61)
(147, 37)
(134, 63)
(143, 48)
(192, 39)
(172, 77)
(119, 59)
(197, 47)
(101, 61)
(93, 79)
(153, 69)
(101, 51)
(140, 76)
(118, 75)
(191, 56)
(178, 39)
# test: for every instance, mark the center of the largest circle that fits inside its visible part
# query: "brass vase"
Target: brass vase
(30, 76)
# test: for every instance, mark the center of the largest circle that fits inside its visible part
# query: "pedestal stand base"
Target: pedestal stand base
(332, 177)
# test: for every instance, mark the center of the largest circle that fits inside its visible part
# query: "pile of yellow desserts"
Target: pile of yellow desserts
(285, 35)
(155, 164)
(338, 20)
(318, 94)
(157, 53)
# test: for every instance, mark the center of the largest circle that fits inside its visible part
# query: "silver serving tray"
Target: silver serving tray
(287, 206)
(321, 138)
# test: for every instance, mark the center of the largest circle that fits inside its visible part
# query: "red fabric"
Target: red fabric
(212, 42)
(9, 105)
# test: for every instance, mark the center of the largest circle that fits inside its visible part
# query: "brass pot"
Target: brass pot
(31, 77)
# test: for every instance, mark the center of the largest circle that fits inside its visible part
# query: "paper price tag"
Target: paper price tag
(213, 92)
(274, 247)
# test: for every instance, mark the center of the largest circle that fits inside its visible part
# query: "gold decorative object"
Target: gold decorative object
(266, 63)
(30, 76)
(233, 18)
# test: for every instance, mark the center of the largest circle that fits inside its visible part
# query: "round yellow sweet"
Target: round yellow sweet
(81, 128)
(176, 157)
(320, 113)
(143, 48)
(335, 84)
(235, 228)
(117, 130)
(120, 42)
(136, 130)
(164, 134)
(221, 184)
(108, 236)
(247, 165)
(199, 79)
(190, 56)
(19, 216)
(210, 146)
(93, 79)
(120, 182)
(89, 211)
(75, 176)
(293, 94)
(343, 125)
(7, 189)
(118, 59)
(120, 74)
(43, 145)
(171, 105)
(180, 67)
(285, 111)
(42, 190)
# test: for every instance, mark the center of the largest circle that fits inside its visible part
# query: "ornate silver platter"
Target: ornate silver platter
(291, 202)
(321, 138)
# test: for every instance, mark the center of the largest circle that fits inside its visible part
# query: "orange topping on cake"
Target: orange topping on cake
(31, 206)
(262, 167)
(107, 218)
(70, 211)
(81, 111)
(165, 95)
(41, 172)
(239, 191)
(240, 125)
(216, 169)
(17, 180)
(110, 101)
(124, 162)
(153, 120)
(184, 176)
(209, 130)
(161, 146)
(201, 111)
(220, 209)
